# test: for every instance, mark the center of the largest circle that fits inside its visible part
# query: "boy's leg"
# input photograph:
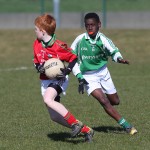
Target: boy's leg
(110, 110)
(113, 98)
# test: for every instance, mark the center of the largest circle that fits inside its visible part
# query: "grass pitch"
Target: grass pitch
(25, 123)
(73, 6)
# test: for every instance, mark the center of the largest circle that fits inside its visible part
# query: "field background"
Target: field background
(74, 6)
(25, 123)
(24, 120)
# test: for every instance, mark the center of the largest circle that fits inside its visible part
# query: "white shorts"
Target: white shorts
(45, 83)
(99, 79)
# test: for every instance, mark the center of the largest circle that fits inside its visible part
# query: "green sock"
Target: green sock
(124, 123)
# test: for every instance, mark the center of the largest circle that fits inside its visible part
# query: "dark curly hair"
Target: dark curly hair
(92, 15)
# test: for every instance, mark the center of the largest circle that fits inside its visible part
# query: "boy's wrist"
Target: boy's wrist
(79, 76)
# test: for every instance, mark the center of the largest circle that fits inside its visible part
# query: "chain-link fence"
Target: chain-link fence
(69, 13)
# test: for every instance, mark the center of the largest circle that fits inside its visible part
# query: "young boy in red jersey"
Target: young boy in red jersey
(46, 46)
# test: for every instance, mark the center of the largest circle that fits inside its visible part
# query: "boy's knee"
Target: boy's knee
(104, 102)
(115, 103)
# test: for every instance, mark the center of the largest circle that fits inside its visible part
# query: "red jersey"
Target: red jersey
(58, 50)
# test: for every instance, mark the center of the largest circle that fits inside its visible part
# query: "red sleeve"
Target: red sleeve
(35, 60)
(65, 52)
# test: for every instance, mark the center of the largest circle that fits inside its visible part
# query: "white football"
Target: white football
(52, 67)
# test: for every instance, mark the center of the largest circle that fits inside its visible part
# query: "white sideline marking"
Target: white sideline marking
(16, 69)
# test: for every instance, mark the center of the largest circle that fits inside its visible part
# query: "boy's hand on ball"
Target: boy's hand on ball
(41, 68)
(65, 71)
(62, 77)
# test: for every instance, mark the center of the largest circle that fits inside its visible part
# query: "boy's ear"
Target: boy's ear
(99, 24)
(43, 31)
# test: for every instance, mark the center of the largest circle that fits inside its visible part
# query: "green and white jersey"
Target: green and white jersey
(93, 54)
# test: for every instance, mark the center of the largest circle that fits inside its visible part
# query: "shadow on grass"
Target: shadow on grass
(109, 129)
(64, 137)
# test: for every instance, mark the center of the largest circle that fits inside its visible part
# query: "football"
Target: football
(52, 67)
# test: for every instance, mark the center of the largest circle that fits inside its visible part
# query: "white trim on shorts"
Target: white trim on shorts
(100, 78)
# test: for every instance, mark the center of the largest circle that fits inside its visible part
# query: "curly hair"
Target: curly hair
(92, 15)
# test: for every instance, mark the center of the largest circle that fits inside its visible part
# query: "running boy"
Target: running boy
(45, 47)
(93, 49)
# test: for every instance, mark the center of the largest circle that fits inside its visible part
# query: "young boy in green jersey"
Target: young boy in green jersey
(93, 49)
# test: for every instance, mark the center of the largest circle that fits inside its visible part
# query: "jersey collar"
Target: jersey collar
(91, 40)
(50, 42)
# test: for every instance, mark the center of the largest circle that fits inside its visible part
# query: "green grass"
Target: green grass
(25, 123)
(73, 5)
